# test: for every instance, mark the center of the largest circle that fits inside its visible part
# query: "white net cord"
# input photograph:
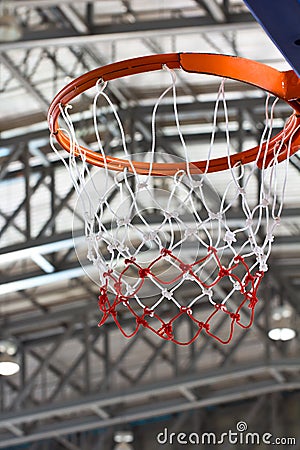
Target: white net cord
(153, 240)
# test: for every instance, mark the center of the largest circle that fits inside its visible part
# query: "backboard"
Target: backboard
(280, 20)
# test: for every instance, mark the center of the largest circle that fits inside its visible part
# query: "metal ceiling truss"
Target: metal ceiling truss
(112, 407)
(33, 407)
(40, 172)
(83, 29)
(78, 402)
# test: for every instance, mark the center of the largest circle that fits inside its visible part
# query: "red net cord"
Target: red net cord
(247, 287)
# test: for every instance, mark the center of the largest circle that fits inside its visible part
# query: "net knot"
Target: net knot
(141, 321)
(204, 325)
(90, 255)
(252, 302)
(208, 292)
(103, 290)
(171, 214)
(259, 274)
(167, 294)
(130, 260)
(238, 258)
(123, 221)
(121, 248)
(211, 250)
(223, 272)
(185, 267)
(186, 310)
(248, 295)
(235, 316)
(167, 328)
(221, 307)
(264, 267)
(190, 232)
(144, 272)
(111, 248)
(198, 183)
(103, 299)
(215, 216)
(248, 279)
(148, 312)
(165, 252)
(237, 286)
(277, 221)
(142, 185)
(118, 286)
(108, 273)
(99, 235)
(150, 236)
(241, 190)
(258, 250)
(265, 202)
(261, 259)
(229, 237)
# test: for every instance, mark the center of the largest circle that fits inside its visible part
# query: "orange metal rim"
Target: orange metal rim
(285, 85)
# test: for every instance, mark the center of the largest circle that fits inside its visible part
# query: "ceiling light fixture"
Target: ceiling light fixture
(282, 334)
(123, 439)
(282, 324)
(8, 361)
(10, 30)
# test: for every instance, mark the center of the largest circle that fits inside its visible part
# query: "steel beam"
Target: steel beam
(141, 29)
(42, 280)
(130, 413)
(214, 10)
(187, 110)
(6, 61)
(26, 391)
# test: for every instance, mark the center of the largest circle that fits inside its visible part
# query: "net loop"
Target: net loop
(100, 85)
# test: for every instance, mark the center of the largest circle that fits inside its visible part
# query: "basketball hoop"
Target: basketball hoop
(194, 245)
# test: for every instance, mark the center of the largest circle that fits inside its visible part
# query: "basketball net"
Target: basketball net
(172, 254)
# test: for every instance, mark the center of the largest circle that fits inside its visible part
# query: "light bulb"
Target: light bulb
(8, 368)
(282, 334)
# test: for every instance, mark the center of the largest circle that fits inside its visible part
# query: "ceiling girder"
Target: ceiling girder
(61, 425)
(44, 330)
(6, 61)
(139, 29)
